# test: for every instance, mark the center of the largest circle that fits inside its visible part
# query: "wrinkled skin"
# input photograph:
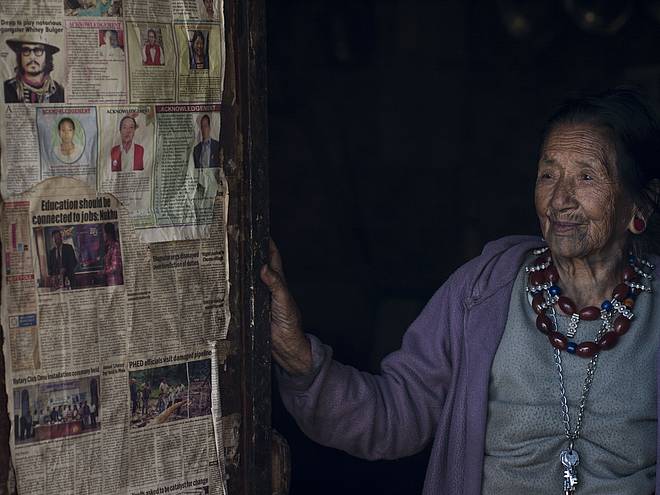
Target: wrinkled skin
(290, 346)
(583, 210)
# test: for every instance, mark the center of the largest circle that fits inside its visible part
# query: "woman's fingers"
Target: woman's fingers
(290, 345)
(274, 259)
(272, 280)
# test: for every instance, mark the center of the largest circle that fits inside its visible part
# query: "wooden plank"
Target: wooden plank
(246, 384)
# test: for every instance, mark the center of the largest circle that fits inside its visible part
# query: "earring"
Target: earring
(639, 225)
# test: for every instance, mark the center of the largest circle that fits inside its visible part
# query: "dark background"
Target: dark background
(403, 136)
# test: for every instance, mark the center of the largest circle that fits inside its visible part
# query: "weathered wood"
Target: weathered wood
(246, 382)
(256, 336)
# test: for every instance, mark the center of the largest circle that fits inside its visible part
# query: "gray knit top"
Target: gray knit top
(525, 433)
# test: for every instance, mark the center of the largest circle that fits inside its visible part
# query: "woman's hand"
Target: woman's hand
(290, 346)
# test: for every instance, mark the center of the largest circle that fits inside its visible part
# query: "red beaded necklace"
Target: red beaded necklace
(545, 294)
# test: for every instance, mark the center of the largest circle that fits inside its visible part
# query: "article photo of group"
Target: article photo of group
(170, 393)
(68, 142)
(56, 410)
(93, 8)
(32, 68)
(79, 256)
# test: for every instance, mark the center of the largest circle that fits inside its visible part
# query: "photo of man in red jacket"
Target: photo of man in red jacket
(152, 52)
(127, 155)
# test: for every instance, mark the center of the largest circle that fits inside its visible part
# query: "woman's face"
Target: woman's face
(582, 207)
(66, 132)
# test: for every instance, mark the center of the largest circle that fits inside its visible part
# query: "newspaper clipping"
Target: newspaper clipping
(113, 228)
(98, 85)
(110, 348)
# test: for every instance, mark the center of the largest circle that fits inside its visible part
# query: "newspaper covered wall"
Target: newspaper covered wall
(113, 231)
(122, 94)
(110, 347)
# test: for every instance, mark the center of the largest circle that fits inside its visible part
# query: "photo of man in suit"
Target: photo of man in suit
(33, 82)
(207, 153)
(62, 263)
(127, 155)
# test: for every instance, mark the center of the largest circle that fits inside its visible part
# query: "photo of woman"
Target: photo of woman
(67, 147)
(199, 54)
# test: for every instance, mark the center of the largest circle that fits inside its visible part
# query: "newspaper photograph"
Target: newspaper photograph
(96, 59)
(94, 89)
(110, 341)
(113, 226)
(201, 62)
(68, 142)
(126, 157)
(152, 62)
(33, 61)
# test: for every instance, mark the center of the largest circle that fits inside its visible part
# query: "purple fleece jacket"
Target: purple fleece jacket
(434, 388)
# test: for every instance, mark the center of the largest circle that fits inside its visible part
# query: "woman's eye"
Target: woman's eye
(587, 177)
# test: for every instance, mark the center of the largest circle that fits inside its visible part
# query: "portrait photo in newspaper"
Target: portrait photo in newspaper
(208, 10)
(78, 256)
(68, 142)
(111, 44)
(206, 161)
(126, 155)
(93, 8)
(198, 50)
(97, 64)
(187, 176)
(48, 411)
(152, 46)
(151, 62)
(206, 153)
(32, 67)
(170, 393)
(201, 61)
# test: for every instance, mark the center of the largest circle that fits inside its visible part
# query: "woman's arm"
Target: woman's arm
(384, 416)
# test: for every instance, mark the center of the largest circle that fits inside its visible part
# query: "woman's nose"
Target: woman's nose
(563, 195)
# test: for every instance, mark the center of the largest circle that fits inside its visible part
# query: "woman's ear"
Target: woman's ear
(641, 215)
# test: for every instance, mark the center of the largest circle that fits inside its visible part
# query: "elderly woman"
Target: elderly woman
(533, 368)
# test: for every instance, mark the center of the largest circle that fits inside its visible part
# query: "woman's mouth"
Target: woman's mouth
(564, 227)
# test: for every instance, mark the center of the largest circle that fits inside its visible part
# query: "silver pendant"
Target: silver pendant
(570, 459)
